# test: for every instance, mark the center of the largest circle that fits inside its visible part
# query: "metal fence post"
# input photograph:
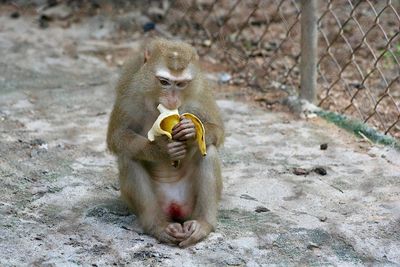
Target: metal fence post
(309, 50)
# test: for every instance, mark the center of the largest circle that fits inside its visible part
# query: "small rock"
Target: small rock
(149, 26)
(15, 15)
(37, 142)
(207, 43)
(312, 245)
(128, 229)
(260, 209)
(320, 171)
(246, 196)
(44, 21)
(233, 261)
(115, 187)
(323, 146)
(60, 12)
(323, 218)
(300, 171)
(224, 77)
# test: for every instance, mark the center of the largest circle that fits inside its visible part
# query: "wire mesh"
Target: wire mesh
(259, 40)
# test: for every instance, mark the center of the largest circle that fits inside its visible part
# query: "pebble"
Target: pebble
(260, 209)
(323, 146)
(320, 171)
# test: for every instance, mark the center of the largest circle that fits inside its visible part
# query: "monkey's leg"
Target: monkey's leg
(137, 191)
(208, 186)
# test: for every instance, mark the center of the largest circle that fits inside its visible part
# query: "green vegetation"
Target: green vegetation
(358, 128)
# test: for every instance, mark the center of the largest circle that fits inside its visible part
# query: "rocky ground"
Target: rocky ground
(59, 198)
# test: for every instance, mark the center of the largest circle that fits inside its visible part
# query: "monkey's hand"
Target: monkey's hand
(176, 150)
(184, 131)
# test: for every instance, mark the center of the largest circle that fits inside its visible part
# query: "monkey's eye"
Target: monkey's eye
(165, 82)
(182, 84)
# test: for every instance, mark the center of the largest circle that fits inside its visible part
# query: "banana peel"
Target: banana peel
(164, 123)
(169, 118)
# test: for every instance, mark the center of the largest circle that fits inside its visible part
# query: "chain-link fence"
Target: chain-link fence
(358, 59)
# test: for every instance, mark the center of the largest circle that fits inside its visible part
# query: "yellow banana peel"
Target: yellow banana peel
(164, 123)
(169, 118)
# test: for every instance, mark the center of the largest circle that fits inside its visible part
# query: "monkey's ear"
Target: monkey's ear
(146, 55)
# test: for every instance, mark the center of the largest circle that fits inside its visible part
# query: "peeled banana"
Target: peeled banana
(169, 118)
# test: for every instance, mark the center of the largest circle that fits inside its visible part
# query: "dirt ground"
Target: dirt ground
(59, 194)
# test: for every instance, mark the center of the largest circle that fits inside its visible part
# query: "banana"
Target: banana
(169, 118)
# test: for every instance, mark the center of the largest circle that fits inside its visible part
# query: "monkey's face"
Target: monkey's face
(174, 66)
(172, 86)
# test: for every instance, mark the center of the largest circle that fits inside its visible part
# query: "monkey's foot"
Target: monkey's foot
(195, 231)
(172, 234)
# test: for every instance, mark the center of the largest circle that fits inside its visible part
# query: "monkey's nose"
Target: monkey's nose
(172, 104)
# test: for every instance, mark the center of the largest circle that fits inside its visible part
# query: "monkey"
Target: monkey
(175, 204)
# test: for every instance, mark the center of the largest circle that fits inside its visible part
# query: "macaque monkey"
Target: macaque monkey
(175, 204)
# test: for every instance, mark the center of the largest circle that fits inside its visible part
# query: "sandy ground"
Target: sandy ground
(59, 198)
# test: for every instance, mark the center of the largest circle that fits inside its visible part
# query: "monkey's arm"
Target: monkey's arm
(214, 133)
(122, 139)
(211, 117)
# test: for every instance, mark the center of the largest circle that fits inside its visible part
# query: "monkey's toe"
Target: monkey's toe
(175, 231)
(197, 230)
(189, 227)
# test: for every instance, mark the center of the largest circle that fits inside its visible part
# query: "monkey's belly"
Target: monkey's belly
(175, 197)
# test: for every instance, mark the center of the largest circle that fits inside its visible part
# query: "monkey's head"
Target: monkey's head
(174, 65)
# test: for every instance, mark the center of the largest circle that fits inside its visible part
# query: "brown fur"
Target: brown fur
(137, 96)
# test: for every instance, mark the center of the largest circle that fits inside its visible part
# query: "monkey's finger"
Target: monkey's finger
(174, 227)
(182, 126)
(184, 132)
(175, 230)
(186, 121)
(178, 124)
(169, 239)
(188, 136)
(177, 152)
(178, 157)
(174, 150)
(196, 236)
(179, 236)
(176, 144)
(188, 227)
